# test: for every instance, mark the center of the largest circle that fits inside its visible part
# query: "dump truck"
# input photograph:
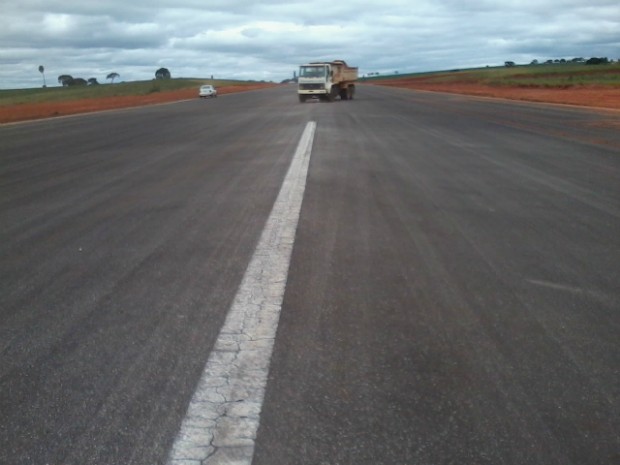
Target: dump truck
(326, 80)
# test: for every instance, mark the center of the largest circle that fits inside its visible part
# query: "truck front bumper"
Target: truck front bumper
(311, 89)
(312, 92)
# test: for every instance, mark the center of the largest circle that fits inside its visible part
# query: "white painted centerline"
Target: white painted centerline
(223, 416)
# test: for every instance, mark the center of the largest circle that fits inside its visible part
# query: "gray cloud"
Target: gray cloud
(269, 39)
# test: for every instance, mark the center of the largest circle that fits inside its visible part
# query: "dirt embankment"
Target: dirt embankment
(30, 111)
(590, 96)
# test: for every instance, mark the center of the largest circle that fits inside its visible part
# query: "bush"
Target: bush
(597, 61)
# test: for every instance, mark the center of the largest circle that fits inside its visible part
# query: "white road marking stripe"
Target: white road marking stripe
(223, 416)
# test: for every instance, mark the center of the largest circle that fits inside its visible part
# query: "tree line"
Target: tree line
(66, 80)
(589, 61)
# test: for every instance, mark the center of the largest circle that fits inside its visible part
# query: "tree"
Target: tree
(162, 73)
(113, 76)
(509, 64)
(79, 82)
(42, 71)
(65, 79)
(93, 82)
(597, 61)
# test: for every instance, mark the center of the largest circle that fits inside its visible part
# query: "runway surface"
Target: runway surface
(452, 293)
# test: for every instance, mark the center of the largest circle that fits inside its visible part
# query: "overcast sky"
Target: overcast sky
(268, 39)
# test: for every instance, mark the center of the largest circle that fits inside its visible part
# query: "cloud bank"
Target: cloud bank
(267, 40)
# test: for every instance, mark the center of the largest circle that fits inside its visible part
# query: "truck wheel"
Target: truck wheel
(343, 94)
(302, 98)
(350, 92)
(333, 93)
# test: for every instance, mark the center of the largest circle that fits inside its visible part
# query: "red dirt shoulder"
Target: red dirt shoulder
(591, 96)
(30, 111)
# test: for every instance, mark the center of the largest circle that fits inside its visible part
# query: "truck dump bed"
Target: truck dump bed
(342, 71)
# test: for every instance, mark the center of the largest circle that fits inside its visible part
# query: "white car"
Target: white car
(207, 90)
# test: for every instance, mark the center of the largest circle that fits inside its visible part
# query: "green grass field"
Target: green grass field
(548, 76)
(54, 94)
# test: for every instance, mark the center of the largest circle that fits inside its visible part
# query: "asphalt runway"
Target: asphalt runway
(452, 294)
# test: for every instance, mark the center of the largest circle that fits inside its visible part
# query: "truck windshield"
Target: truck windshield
(312, 71)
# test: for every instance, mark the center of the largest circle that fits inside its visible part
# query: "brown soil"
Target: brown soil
(29, 111)
(590, 96)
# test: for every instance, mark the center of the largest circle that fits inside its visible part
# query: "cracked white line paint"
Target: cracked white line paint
(223, 416)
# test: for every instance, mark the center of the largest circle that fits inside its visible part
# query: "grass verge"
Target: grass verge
(123, 89)
(559, 76)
